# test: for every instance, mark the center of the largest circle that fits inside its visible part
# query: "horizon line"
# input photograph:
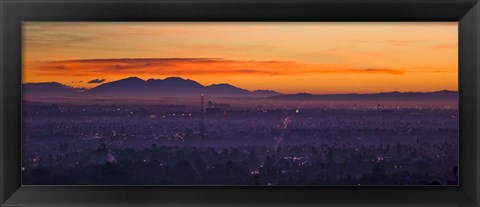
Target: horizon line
(280, 93)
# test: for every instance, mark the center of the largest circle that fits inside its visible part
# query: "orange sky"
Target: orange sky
(286, 57)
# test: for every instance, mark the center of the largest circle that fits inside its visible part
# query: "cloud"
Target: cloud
(192, 66)
(96, 81)
(445, 46)
(369, 70)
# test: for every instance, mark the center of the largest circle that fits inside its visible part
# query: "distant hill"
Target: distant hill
(266, 93)
(386, 96)
(134, 87)
(49, 89)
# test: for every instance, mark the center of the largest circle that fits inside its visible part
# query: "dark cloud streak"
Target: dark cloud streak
(97, 81)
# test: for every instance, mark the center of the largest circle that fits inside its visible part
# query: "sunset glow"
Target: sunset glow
(285, 57)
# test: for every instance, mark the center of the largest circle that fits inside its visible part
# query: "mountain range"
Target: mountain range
(134, 87)
(444, 95)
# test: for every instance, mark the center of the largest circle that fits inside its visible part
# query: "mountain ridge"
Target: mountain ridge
(394, 96)
(134, 87)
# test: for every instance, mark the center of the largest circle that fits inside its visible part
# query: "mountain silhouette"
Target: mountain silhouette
(444, 95)
(49, 89)
(134, 87)
(126, 86)
(266, 93)
(223, 88)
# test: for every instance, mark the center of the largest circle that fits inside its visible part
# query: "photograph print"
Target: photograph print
(232, 103)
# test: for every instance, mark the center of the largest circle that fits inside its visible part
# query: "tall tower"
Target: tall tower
(202, 124)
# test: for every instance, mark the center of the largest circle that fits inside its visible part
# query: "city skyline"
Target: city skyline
(318, 58)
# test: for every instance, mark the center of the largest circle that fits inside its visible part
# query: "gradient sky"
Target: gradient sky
(286, 57)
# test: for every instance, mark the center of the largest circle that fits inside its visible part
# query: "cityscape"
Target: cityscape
(234, 143)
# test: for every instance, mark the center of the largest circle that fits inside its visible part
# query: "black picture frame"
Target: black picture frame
(13, 12)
